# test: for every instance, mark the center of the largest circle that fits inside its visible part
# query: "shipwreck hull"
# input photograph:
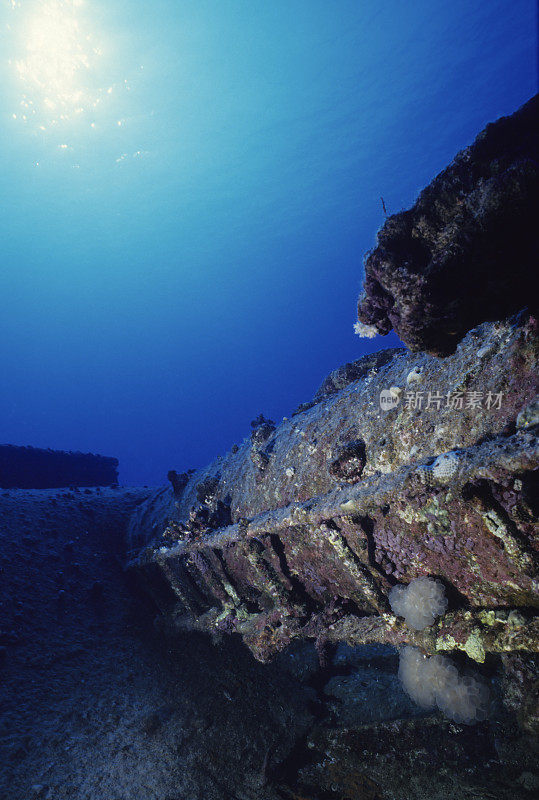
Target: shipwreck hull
(328, 510)
(404, 464)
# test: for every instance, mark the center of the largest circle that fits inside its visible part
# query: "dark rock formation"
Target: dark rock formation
(261, 443)
(178, 482)
(34, 468)
(467, 250)
(521, 690)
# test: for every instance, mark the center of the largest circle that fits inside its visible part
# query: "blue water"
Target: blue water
(187, 253)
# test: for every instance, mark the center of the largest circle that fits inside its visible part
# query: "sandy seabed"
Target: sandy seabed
(94, 705)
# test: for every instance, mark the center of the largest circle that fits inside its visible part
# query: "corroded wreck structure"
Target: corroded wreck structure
(404, 464)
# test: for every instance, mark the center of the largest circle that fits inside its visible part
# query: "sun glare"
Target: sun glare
(57, 63)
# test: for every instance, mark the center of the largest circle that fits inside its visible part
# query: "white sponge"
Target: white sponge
(419, 603)
(445, 467)
(435, 681)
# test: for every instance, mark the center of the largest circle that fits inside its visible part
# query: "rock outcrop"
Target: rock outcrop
(466, 252)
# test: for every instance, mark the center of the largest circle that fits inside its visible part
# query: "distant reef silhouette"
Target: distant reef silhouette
(36, 468)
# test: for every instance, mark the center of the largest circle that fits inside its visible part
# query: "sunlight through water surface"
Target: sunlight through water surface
(56, 62)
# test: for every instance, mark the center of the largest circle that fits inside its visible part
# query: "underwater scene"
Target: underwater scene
(269, 407)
